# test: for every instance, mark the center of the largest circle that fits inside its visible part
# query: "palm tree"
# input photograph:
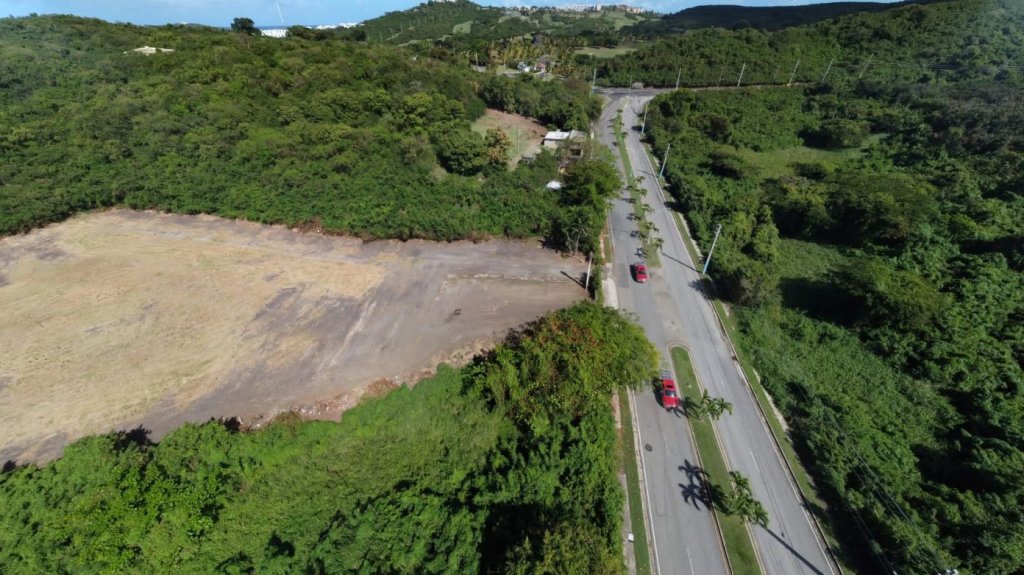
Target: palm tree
(741, 501)
(715, 407)
(658, 243)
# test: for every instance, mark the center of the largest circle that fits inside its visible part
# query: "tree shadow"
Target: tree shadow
(232, 424)
(689, 407)
(696, 490)
(792, 550)
(137, 437)
(700, 285)
(819, 299)
(9, 466)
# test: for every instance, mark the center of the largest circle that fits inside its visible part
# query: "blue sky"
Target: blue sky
(265, 12)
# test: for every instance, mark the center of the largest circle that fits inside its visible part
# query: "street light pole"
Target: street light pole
(665, 161)
(707, 261)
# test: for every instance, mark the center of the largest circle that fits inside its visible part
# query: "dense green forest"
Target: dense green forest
(507, 465)
(762, 18)
(943, 42)
(873, 246)
(330, 134)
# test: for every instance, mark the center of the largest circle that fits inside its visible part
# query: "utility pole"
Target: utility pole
(720, 74)
(644, 123)
(707, 261)
(793, 76)
(665, 161)
(827, 70)
(742, 70)
(586, 285)
(864, 69)
(629, 90)
(593, 83)
(679, 76)
(775, 74)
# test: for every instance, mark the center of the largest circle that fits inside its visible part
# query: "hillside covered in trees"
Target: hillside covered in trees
(873, 248)
(468, 20)
(941, 41)
(329, 134)
(507, 465)
(759, 17)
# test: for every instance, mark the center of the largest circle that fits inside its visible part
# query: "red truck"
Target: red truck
(669, 392)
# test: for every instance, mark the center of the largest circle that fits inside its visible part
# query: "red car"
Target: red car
(669, 393)
(640, 273)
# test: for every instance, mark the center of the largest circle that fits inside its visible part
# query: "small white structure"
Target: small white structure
(556, 138)
(149, 50)
(554, 185)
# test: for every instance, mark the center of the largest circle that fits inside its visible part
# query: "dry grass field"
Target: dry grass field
(530, 134)
(118, 319)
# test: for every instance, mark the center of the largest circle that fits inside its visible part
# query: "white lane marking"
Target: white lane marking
(643, 469)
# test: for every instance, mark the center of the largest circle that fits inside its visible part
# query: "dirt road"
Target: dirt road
(117, 319)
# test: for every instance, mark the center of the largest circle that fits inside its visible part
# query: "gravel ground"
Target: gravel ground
(119, 319)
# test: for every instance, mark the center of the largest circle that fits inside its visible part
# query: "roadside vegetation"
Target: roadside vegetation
(872, 257)
(508, 465)
(631, 466)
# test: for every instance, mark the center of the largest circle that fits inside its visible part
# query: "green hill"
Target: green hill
(364, 140)
(445, 20)
(761, 18)
(943, 41)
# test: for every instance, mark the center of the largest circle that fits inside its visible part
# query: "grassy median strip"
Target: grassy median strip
(634, 191)
(636, 503)
(620, 139)
(738, 545)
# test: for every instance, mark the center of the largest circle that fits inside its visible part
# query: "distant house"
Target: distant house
(149, 50)
(544, 64)
(524, 67)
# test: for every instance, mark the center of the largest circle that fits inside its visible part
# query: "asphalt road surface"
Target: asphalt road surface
(673, 310)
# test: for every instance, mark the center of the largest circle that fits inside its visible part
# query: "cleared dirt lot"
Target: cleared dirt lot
(118, 319)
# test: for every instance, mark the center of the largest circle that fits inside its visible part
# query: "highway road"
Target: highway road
(674, 311)
(686, 539)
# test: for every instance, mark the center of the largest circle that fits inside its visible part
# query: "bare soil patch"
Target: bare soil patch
(530, 134)
(120, 319)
